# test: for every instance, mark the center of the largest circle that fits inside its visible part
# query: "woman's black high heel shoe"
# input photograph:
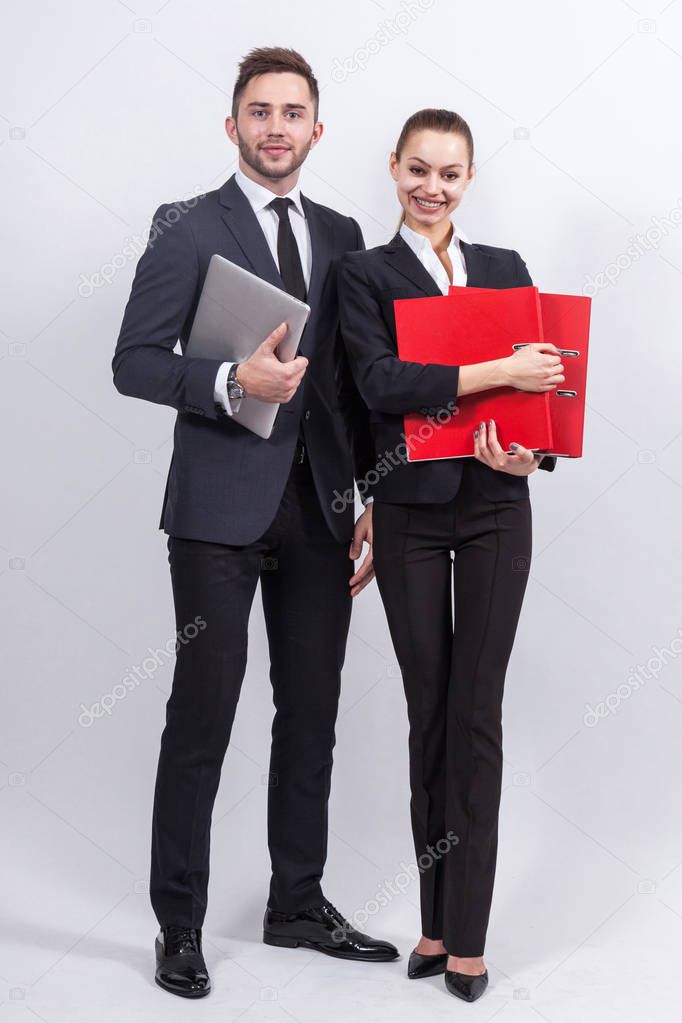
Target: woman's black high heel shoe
(425, 966)
(466, 986)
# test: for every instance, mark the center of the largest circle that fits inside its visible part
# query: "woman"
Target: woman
(476, 507)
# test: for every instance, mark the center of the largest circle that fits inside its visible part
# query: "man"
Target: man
(239, 509)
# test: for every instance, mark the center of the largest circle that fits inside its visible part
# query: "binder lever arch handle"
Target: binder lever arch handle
(567, 353)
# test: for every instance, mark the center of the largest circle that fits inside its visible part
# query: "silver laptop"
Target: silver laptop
(236, 312)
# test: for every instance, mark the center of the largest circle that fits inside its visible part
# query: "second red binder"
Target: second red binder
(566, 323)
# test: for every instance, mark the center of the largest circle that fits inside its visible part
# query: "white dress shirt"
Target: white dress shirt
(259, 197)
(424, 251)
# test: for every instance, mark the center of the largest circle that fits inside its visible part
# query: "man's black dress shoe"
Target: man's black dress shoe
(465, 986)
(180, 966)
(426, 966)
(326, 930)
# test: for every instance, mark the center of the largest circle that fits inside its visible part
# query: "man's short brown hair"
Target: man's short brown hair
(267, 59)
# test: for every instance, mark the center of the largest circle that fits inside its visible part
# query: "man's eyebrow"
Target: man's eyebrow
(428, 164)
(289, 106)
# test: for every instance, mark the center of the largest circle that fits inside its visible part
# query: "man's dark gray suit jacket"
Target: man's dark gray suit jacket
(225, 483)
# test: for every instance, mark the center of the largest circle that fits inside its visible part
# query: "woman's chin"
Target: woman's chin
(427, 219)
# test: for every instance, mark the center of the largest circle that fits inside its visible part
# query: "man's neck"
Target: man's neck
(278, 186)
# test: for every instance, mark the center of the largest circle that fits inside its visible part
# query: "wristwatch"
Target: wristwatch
(234, 388)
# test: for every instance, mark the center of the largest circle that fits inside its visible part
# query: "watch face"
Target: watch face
(234, 388)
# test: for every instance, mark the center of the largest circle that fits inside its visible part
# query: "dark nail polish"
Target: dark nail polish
(475, 434)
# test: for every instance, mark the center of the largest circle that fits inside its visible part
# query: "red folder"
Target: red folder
(566, 323)
(477, 325)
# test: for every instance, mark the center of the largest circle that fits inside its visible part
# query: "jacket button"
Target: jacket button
(307, 413)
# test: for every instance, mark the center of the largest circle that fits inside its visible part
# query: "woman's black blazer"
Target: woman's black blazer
(368, 283)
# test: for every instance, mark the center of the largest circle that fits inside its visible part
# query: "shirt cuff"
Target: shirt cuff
(366, 500)
(220, 396)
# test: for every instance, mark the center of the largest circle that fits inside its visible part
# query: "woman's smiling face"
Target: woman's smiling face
(431, 176)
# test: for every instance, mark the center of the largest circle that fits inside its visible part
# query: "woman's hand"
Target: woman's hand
(487, 449)
(535, 367)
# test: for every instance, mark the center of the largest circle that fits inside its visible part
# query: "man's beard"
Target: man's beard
(252, 158)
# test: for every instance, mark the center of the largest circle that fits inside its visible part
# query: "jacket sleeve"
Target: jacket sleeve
(547, 462)
(162, 295)
(386, 383)
(352, 406)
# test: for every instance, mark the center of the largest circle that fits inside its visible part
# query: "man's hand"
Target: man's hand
(263, 376)
(487, 449)
(361, 533)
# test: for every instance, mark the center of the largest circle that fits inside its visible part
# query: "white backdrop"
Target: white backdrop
(109, 109)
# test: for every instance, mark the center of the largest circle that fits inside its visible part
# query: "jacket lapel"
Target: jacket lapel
(240, 219)
(402, 258)
(321, 248)
(320, 230)
(477, 263)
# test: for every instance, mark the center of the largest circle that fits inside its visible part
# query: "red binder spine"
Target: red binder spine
(541, 337)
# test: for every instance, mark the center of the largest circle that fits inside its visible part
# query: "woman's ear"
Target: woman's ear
(393, 166)
(471, 173)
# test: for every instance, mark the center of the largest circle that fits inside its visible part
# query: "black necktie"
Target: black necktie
(290, 268)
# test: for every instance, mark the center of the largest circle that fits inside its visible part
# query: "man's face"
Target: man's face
(275, 127)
